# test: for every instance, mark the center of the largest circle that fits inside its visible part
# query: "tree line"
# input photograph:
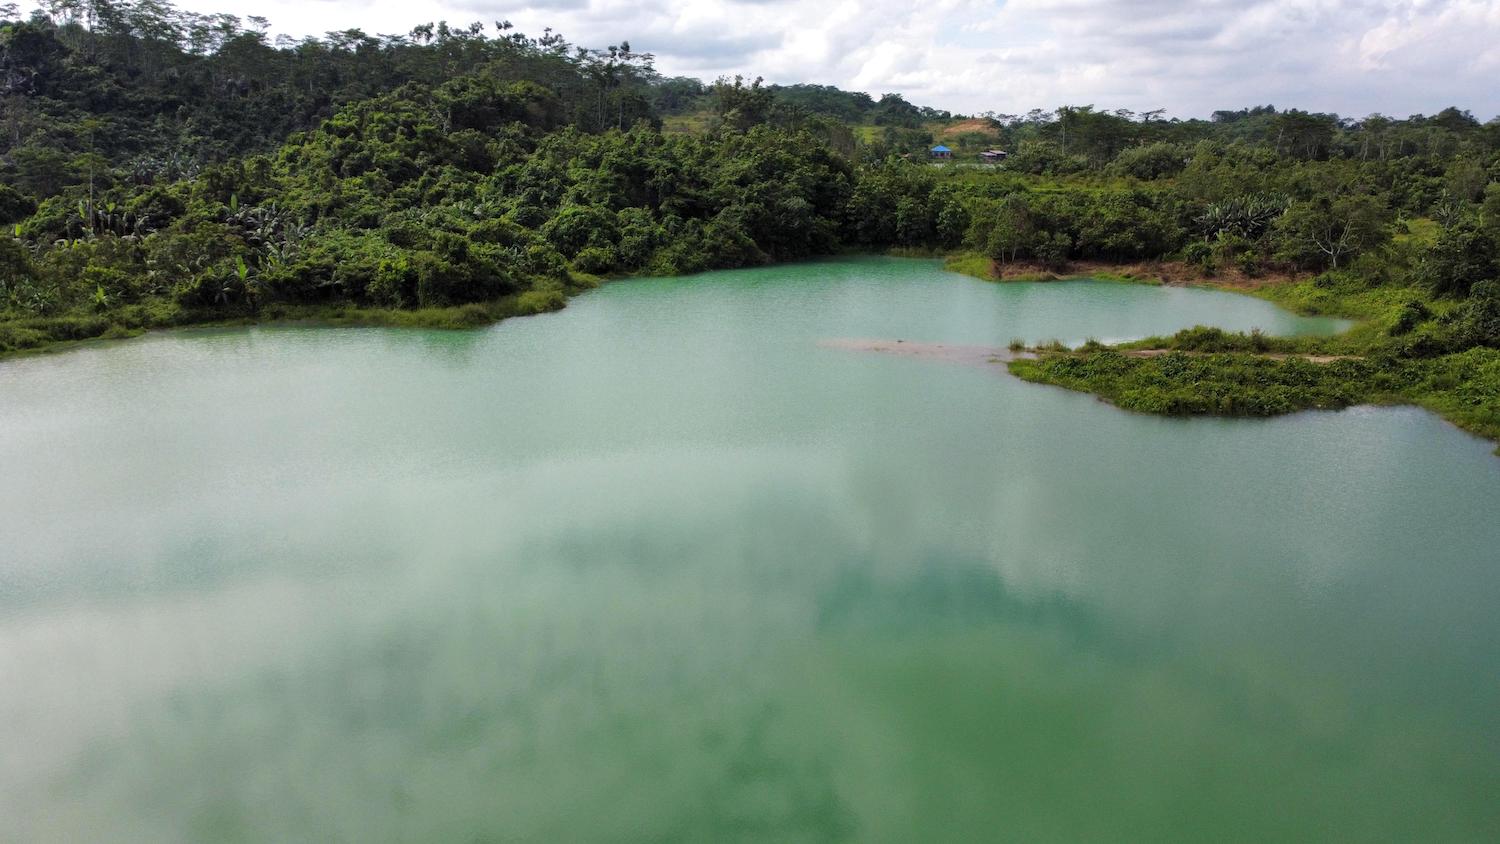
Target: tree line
(158, 166)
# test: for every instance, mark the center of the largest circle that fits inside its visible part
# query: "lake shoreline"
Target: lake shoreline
(78, 331)
(1088, 370)
(1155, 273)
(1022, 363)
(359, 560)
(1116, 376)
(56, 334)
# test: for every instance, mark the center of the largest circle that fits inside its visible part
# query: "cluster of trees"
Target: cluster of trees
(153, 158)
(432, 196)
(142, 91)
(783, 104)
(1080, 138)
(1410, 241)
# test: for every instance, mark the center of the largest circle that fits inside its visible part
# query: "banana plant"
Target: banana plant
(249, 282)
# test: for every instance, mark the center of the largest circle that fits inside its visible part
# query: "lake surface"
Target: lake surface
(661, 567)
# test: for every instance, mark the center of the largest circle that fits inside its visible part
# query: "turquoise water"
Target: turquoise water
(661, 567)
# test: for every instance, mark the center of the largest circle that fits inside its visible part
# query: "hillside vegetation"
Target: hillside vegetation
(159, 167)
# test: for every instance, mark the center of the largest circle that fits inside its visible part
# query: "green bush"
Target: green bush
(1151, 161)
(597, 260)
(14, 205)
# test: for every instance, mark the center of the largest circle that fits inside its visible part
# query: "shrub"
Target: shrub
(441, 282)
(1477, 322)
(1412, 313)
(597, 260)
(1200, 254)
(1151, 161)
(580, 226)
(14, 205)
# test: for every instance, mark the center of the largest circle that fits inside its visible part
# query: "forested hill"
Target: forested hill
(159, 167)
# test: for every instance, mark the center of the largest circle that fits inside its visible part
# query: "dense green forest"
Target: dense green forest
(159, 167)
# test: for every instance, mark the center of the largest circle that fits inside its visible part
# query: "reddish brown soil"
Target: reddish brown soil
(964, 127)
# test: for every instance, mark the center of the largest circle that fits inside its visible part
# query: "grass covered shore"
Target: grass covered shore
(1461, 388)
(1406, 347)
(35, 335)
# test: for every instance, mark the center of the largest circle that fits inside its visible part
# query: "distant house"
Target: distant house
(993, 156)
(941, 151)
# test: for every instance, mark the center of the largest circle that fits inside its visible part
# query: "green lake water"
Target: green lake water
(660, 567)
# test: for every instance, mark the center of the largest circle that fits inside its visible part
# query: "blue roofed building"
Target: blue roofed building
(941, 151)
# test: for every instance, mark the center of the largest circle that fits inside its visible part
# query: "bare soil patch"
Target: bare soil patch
(965, 127)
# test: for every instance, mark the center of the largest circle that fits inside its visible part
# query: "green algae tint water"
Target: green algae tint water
(661, 567)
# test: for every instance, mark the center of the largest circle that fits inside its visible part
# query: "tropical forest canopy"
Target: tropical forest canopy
(160, 167)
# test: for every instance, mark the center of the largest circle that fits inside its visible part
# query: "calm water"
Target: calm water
(659, 567)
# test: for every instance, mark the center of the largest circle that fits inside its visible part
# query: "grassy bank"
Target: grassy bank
(29, 334)
(1462, 387)
(1405, 348)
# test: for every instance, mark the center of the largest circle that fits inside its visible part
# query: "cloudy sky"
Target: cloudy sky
(1351, 56)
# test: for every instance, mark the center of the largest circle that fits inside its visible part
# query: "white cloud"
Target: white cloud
(1349, 56)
